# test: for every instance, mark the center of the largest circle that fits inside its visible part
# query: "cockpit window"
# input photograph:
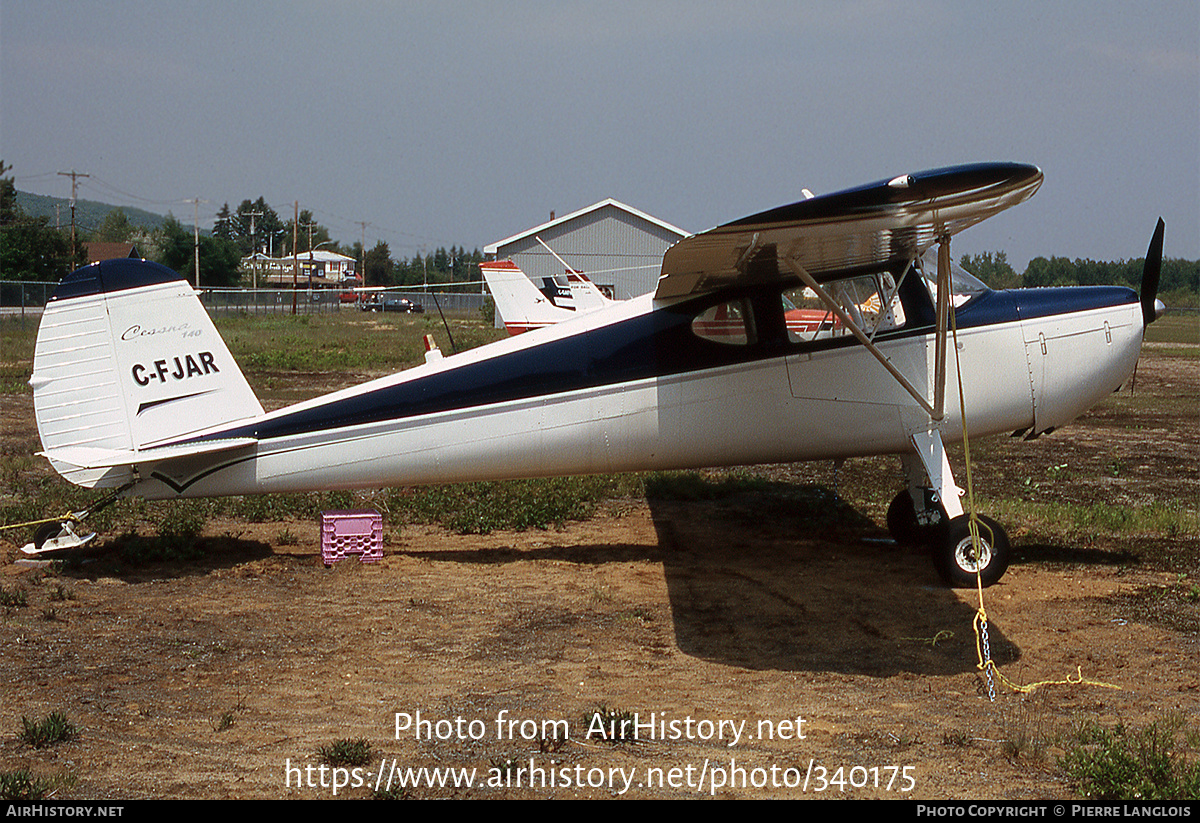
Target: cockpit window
(869, 300)
(963, 284)
(730, 323)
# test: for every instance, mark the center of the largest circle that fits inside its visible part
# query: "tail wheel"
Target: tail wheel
(46, 531)
(958, 561)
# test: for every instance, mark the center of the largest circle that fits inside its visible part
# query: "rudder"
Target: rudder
(520, 305)
(127, 359)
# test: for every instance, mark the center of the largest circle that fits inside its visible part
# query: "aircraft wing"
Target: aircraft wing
(845, 232)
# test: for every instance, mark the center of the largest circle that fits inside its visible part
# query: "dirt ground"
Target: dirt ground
(765, 653)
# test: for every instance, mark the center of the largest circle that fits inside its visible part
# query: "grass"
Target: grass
(481, 508)
(342, 341)
(22, 785)
(52, 729)
(1175, 328)
(346, 753)
(1051, 519)
(14, 598)
(1158, 762)
(17, 337)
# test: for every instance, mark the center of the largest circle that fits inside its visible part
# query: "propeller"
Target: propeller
(1150, 275)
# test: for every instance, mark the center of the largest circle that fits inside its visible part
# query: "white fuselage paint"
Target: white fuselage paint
(827, 404)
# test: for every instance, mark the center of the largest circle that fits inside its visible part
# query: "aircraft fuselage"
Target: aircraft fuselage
(641, 386)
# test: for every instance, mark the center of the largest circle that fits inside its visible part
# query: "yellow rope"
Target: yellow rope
(68, 517)
(988, 666)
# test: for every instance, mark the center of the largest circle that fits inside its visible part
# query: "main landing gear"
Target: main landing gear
(932, 516)
(949, 539)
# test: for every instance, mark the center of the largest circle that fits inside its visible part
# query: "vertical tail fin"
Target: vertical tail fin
(521, 306)
(587, 296)
(127, 359)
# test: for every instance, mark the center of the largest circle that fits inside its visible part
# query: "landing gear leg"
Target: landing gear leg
(933, 515)
(915, 517)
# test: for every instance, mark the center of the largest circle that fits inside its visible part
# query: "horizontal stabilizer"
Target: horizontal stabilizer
(87, 457)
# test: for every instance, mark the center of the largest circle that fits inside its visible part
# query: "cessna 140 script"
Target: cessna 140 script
(135, 392)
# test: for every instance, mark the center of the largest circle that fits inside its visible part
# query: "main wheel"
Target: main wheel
(907, 528)
(957, 560)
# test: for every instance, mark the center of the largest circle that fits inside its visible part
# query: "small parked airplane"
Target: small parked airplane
(523, 306)
(135, 391)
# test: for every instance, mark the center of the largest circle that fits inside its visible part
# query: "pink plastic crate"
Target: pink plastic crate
(351, 532)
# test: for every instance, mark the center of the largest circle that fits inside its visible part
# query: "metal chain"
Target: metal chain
(987, 660)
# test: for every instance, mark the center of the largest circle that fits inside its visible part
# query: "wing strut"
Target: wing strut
(936, 409)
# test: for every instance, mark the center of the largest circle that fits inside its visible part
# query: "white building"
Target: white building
(326, 267)
(619, 248)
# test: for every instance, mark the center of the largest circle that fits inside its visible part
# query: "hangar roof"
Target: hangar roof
(492, 248)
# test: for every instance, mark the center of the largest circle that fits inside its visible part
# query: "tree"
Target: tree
(220, 258)
(30, 249)
(116, 228)
(1057, 271)
(237, 227)
(377, 266)
(991, 269)
(220, 263)
(223, 228)
(173, 245)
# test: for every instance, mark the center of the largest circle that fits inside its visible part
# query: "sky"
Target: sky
(462, 123)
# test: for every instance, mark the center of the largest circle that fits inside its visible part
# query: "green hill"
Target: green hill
(89, 214)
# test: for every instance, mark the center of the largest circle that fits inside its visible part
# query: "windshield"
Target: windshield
(963, 284)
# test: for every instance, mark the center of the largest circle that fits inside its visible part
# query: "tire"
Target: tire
(904, 526)
(46, 531)
(954, 557)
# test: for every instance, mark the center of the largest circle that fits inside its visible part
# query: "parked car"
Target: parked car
(391, 302)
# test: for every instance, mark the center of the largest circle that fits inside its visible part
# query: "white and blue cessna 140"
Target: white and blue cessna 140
(817, 330)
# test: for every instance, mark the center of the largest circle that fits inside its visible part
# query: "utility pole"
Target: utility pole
(74, 182)
(253, 244)
(309, 226)
(362, 252)
(196, 201)
(295, 264)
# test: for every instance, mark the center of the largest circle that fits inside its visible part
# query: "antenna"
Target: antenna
(570, 269)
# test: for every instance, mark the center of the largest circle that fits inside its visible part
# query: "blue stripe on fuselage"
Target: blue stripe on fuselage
(1046, 302)
(657, 344)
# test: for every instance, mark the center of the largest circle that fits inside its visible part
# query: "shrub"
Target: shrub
(346, 753)
(1122, 764)
(54, 728)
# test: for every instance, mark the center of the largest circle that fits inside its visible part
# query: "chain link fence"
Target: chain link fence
(20, 297)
